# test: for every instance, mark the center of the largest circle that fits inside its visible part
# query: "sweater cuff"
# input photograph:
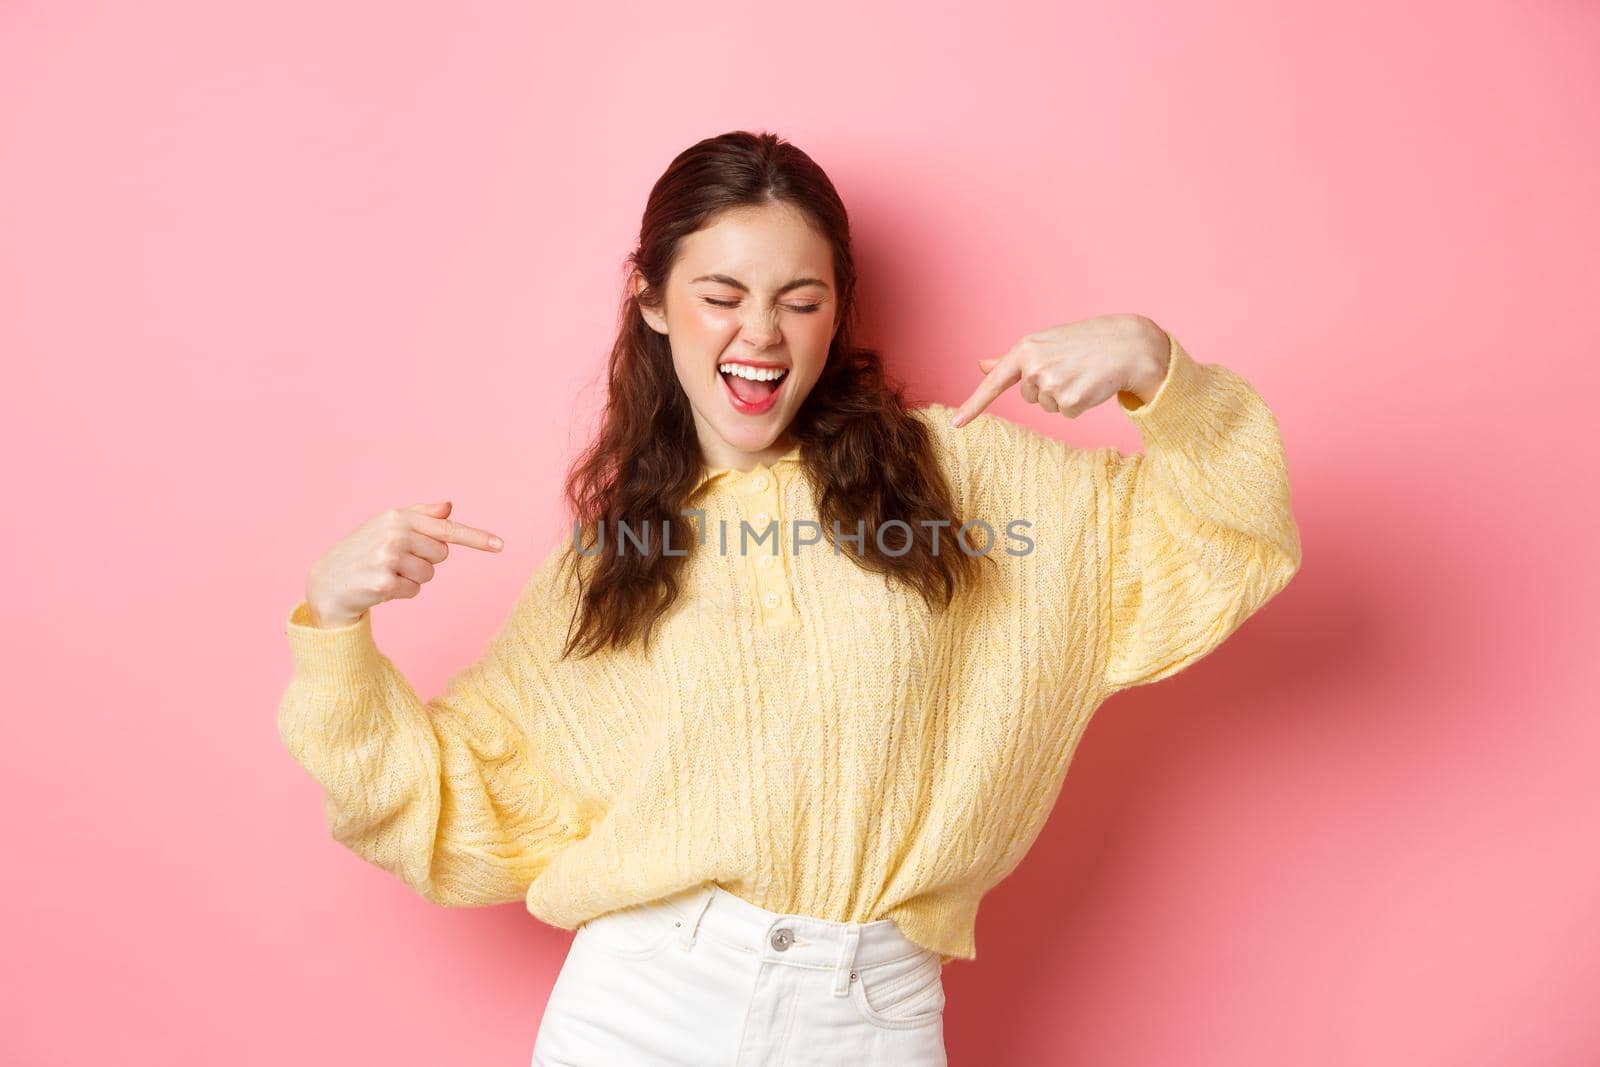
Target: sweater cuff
(1176, 408)
(345, 655)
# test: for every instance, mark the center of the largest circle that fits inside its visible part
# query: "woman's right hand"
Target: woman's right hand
(387, 557)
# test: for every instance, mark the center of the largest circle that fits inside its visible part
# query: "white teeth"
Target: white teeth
(752, 373)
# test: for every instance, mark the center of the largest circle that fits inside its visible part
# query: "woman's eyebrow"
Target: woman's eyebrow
(737, 284)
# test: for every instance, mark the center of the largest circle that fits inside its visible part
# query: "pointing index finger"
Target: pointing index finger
(1001, 377)
(458, 533)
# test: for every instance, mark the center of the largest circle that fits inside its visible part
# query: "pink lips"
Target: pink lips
(753, 409)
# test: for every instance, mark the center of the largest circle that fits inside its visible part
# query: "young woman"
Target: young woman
(804, 682)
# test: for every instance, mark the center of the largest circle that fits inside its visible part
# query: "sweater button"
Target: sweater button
(782, 939)
(761, 482)
(772, 599)
(762, 518)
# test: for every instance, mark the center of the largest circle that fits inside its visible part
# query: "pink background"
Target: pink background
(267, 269)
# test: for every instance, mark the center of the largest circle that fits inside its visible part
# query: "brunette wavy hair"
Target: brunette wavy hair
(865, 455)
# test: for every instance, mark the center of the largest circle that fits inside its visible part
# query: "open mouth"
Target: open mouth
(751, 390)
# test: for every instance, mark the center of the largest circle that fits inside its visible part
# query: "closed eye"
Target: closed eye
(734, 303)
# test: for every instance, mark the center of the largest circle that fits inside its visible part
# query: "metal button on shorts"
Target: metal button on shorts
(782, 939)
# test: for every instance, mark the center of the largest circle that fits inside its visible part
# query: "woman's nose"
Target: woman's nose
(761, 328)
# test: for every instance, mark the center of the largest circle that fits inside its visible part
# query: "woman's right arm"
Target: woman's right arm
(450, 794)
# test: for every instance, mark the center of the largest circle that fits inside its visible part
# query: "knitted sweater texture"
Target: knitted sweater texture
(805, 733)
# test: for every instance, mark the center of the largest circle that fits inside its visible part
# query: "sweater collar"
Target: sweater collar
(790, 458)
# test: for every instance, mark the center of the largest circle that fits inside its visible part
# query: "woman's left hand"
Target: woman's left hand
(1075, 366)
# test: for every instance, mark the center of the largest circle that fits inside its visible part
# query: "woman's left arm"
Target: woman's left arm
(1196, 531)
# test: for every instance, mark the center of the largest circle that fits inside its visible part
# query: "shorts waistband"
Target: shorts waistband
(797, 940)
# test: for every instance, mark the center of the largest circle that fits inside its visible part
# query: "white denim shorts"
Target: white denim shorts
(704, 978)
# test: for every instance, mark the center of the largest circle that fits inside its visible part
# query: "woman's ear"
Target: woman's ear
(653, 317)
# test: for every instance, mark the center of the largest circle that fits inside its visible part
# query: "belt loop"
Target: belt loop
(847, 959)
(691, 924)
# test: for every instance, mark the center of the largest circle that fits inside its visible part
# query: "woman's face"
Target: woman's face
(750, 295)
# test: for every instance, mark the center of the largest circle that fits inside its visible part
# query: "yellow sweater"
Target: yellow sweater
(804, 733)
